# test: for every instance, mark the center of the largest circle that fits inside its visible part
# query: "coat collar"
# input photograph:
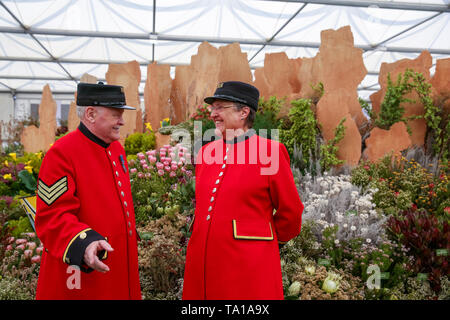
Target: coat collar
(242, 137)
(84, 130)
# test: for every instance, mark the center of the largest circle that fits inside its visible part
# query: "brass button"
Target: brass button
(109, 152)
(217, 181)
(226, 157)
(114, 163)
(208, 217)
(67, 260)
(128, 214)
(83, 235)
(209, 209)
(221, 174)
(129, 224)
(212, 199)
(117, 173)
(223, 166)
(214, 190)
(123, 194)
(119, 183)
(125, 203)
(131, 233)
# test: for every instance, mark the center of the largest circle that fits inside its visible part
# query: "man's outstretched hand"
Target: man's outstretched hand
(91, 258)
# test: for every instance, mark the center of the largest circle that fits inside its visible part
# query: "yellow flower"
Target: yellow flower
(149, 126)
(13, 156)
(7, 176)
(29, 169)
(6, 163)
(39, 155)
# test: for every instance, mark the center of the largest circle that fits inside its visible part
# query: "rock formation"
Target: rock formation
(39, 139)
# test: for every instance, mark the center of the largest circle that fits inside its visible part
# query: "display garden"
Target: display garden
(376, 231)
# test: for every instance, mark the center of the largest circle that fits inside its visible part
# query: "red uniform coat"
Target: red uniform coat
(233, 252)
(84, 195)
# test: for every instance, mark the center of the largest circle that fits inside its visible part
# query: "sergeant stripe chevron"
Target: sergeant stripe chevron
(49, 194)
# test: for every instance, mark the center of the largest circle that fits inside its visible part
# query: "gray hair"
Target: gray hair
(250, 117)
(80, 111)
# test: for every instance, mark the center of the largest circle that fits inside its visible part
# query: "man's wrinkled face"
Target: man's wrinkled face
(107, 123)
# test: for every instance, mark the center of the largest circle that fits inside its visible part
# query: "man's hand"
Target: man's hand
(91, 258)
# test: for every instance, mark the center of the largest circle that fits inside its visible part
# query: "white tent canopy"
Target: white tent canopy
(56, 42)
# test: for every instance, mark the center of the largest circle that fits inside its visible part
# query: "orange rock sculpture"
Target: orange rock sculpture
(208, 67)
(421, 64)
(340, 68)
(128, 75)
(441, 84)
(39, 139)
(382, 142)
(157, 94)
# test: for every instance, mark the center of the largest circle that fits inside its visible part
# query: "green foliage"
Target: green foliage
(139, 142)
(392, 110)
(329, 150)
(20, 226)
(300, 131)
(267, 115)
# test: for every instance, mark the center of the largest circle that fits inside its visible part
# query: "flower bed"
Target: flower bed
(379, 232)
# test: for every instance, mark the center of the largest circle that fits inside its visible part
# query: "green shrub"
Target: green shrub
(139, 142)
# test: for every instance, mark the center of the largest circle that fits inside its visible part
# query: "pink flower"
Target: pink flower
(183, 160)
(183, 169)
(140, 175)
(31, 245)
(143, 162)
(152, 153)
(11, 239)
(30, 234)
(152, 159)
(174, 167)
(36, 259)
(159, 166)
(21, 247)
(167, 168)
(172, 155)
(39, 249)
(167, 146)
(180, 164)
(166, 163)
(140, 156)
(145, 167)
(180, 154)
(21, 241)
(9, 247)
(28, 253)
(147, 175)
(188, 173)
(133, 170)
(160, 172)
(173, 174)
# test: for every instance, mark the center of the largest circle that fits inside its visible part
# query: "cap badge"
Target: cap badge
(220, 85)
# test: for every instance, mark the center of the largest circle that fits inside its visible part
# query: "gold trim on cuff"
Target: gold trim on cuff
(70, 243)
(236, 236)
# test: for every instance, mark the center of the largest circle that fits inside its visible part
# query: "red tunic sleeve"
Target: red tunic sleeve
(57, 224)
(285, 198)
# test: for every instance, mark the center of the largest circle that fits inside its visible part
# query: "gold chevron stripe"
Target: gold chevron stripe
(52, 199)
(54, 186)
(54, 191)
(49, 194)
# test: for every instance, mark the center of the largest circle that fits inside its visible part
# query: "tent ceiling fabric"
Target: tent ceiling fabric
(56, 42)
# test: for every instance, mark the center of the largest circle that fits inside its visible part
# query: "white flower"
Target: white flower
(368, 240)
(353, 228)
(336, 241)
(363, 230)
(345, 225)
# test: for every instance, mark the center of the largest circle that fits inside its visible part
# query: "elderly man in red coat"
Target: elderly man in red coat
(246, 204)
(85, 217)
